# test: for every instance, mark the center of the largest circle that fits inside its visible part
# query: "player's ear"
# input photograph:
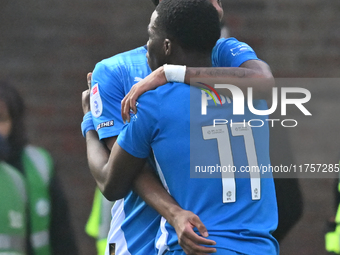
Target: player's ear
(167, 47)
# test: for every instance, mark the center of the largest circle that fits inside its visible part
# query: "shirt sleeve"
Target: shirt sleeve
(137, 136)
(232, 53)
(107, 92)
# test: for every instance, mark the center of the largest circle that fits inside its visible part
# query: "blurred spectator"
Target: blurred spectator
(13, 199)
(48, 227)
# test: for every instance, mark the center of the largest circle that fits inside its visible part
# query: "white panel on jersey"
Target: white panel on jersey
(162, 241)
(116, 234)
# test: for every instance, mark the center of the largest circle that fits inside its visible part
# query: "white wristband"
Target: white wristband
(174, 73)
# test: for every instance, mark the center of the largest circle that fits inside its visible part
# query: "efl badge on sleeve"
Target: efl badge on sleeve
(96, 101)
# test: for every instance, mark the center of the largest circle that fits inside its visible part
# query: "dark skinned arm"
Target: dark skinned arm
(120, 173)
(252, 73)
(116, 172)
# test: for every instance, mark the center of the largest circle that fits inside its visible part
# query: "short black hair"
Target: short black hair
(155, 2)
(194, 24)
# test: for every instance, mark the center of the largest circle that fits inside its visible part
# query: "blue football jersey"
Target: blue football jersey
(238, 208)
(112, 79)
(134, 224)
(231, 53)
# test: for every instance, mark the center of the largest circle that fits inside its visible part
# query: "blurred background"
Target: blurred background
(48, 46)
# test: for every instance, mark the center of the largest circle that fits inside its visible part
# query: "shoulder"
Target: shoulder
(41, 159)
(230, 52)
(225, 41)
(165, 99)
(15, 176)
(121, 71)
(11, 171)
(160, 94)
(36, 151)
(169, 90)
(231, 43)
(123, 60)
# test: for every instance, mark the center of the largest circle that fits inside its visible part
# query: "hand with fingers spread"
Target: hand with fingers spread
(152, 81)
(184, 223)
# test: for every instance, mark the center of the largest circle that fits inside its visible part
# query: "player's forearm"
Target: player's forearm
(107, 171)
(121, 170)
(102, 167)
(148, 186)
(97, 156)
(258, 78)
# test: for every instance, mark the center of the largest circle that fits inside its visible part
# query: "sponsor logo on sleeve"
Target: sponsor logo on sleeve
(240, 49)
(109, 123)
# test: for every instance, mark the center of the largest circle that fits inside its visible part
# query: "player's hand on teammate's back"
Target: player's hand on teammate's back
(184, 224)
(152, 81)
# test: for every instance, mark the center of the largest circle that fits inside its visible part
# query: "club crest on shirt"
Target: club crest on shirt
(96, 101)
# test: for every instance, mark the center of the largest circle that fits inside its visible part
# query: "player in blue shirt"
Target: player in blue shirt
(112, 79)
(232, 54)
(240, 213)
